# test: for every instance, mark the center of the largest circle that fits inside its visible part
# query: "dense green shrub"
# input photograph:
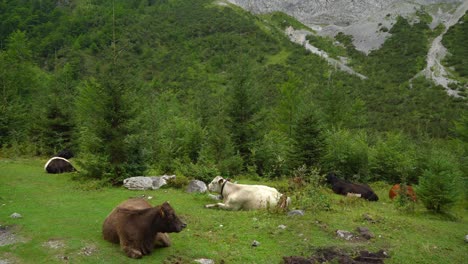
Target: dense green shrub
(312, 195)
(439, 185)
(393, 159)
(199, 171)
(347, 154)
(179, 182)
(272, 155)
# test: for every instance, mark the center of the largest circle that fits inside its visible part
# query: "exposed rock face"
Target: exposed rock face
(146, 183)
(196, 186)
(352, 17)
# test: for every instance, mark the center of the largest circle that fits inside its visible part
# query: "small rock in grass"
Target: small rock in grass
(255, 243)
(204, 261)
(344, 234)
(364, 231)
(296, 212)
(16, 215)
(282, 227)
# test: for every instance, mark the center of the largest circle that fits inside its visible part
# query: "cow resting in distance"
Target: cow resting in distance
(139, 227)
(59, 163)
(396, 190)
(343, 187)
(246, 197)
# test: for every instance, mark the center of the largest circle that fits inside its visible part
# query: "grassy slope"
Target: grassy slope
(53, 207)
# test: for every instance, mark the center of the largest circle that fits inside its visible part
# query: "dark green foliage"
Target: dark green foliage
(439, 185)
(347, 154)
(326, 44)
(242, 108)
(309, 139)
(110, 140)
(393, 159)
(402, 55)
(201, 89)
(455, 41)
(272, 154)
(22, 83)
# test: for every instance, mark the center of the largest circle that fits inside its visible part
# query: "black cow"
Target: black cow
(60, 163)
(343, 187)
(65, 153)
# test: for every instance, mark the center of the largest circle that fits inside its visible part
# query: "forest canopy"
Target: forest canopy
(200, 89)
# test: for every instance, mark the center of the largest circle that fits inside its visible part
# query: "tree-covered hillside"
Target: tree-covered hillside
(457, 60)
(201, 88)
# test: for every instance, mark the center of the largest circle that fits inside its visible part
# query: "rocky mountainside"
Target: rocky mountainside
(368, 21)
(362, 19)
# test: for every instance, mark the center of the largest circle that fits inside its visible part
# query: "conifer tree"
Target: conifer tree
(309, 139)
(110, 141)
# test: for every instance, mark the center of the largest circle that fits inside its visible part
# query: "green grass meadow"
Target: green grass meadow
(57, 208)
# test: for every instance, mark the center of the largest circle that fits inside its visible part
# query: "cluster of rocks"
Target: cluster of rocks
(146, 182)
(362, 232)
(142, 183)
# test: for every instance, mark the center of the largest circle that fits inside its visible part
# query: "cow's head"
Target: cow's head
(371, 196)
(167, 220)
(331, 178)
(216, 184)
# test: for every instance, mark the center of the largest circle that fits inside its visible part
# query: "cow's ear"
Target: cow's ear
(221, 181)
(161, 211)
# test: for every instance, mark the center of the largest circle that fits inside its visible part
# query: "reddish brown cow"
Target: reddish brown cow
(395, 190)
(139, 227)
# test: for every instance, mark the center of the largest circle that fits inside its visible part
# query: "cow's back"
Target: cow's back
(110, 226)
(257, 197)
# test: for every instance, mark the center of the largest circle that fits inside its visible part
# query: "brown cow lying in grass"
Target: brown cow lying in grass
(139, 227)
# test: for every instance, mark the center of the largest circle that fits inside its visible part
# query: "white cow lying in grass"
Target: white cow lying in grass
(246, 197)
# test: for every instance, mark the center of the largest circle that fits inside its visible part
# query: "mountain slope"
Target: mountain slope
(203, 88)
(368, 22)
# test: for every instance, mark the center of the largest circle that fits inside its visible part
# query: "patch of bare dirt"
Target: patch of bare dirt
(9, 258)
(54, 243)
(8, 236)
(336, 255)
(88, 250)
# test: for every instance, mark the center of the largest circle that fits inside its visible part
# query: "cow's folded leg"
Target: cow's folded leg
(223, 206)
(219, 205)
(162, 240)
(132, 252)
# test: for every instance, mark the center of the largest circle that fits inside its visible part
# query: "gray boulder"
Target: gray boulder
(146, 182)
(296, 212)
(138, 183)
(196, 186)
